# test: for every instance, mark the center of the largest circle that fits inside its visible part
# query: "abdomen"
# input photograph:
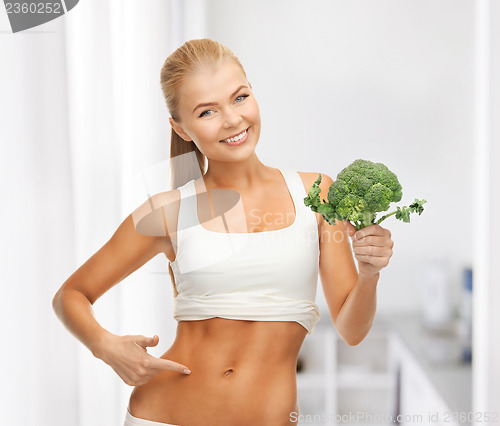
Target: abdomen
(242, 373)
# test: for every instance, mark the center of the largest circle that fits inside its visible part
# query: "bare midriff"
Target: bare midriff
(243, 373)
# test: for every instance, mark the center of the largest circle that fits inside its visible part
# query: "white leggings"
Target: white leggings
(130, 420)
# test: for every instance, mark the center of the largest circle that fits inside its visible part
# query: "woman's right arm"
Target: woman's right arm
(124, 253)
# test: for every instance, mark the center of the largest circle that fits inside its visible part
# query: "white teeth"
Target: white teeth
(236, 138)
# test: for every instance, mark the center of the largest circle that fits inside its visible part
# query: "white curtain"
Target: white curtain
(83, 121)
(38, 356)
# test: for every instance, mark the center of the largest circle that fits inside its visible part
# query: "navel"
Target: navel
(227, 373)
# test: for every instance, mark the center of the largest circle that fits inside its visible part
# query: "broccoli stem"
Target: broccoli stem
(385, 217)
(366, 219)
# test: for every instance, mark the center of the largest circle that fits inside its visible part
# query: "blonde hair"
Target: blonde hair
(192, 57)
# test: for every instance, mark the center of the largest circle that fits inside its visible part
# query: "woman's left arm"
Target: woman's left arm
(351, 295)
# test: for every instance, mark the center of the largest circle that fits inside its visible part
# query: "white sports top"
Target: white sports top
(258, 276)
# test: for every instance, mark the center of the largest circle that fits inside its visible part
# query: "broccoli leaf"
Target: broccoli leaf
(312, 200)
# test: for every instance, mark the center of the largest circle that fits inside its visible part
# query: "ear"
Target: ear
(179, 130)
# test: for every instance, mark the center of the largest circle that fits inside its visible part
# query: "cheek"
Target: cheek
(207, 130)
(254, 113)
(207, 135)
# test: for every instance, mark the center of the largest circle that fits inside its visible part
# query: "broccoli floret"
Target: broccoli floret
(361, 190)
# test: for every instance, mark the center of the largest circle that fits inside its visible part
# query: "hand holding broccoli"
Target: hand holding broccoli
(372, 248)
(361, 190)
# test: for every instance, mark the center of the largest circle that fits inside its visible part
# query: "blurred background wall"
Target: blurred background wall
(386, 81)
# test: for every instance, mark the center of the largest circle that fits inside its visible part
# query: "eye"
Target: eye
(204, 113)
(242, 96)
(209, 112)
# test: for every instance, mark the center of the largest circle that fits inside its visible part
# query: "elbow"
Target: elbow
(353, 339)
(352, 342)
(348, 336)
(56, 301)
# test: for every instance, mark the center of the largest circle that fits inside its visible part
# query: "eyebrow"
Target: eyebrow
(215, 103)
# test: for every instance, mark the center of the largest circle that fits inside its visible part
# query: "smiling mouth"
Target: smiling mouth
(236, 138)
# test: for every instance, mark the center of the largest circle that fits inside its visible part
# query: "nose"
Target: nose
(231, 118)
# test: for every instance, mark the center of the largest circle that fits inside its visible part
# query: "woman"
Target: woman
(244, 286)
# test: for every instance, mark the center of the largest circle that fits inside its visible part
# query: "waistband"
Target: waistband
(130, 420)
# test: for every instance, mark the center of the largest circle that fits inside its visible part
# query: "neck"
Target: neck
(241, 176)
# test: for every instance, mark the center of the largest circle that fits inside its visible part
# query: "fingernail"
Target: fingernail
(187, 371)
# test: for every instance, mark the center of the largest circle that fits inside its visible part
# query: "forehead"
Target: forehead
(211, 85)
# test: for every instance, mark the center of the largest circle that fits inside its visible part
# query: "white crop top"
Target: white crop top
(258, 276)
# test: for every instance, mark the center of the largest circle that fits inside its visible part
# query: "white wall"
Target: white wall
(493, 372)
(388, 81)
(486, 327)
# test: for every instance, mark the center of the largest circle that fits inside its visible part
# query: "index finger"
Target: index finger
(166, 364)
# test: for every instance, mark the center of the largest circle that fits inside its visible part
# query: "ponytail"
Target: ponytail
(181, 175)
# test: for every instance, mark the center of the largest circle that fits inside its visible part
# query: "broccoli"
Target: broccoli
(361, 190)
